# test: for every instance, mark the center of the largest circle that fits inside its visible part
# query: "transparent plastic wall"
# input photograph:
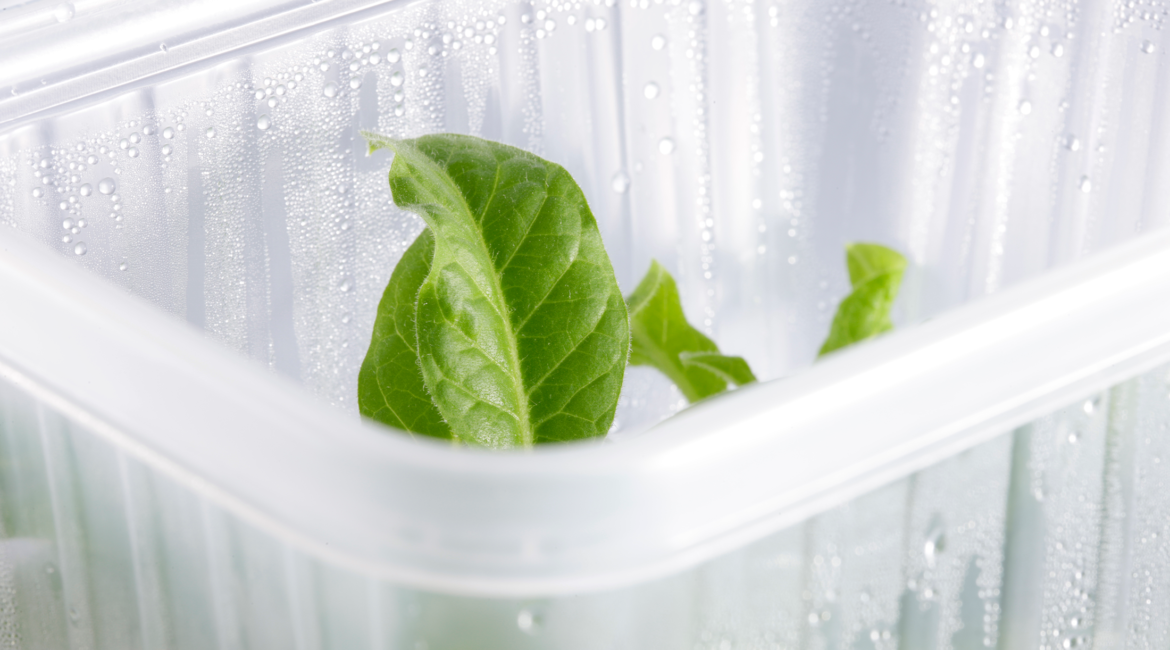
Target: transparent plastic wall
(740, 142)
(1054, 536)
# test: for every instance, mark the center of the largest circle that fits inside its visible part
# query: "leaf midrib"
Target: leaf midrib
(524, 417)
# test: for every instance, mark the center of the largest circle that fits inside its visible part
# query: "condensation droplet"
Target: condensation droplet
(393, 56)
(37, 193)
(166, 150)
(1057, 50)
(1086, 184)
(79, 249)
(263, 122)
(651, 90)
(1148, 46)
(666, 146)
(210, 132)
(107, 186)
(63, 12)
(345, 286)
(329, 90)
(1025, 107)
(1072, 143)
(355, 83)
(620, 182)
(936, 543)
(529, 621)
(658, 42)
(168, 133)
(85, 190)
(123, 266)
(396, 78)
(132, 152)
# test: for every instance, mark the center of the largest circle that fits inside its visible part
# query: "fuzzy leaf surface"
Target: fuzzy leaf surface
(663, 338)
(522, 333)
(390, 383)
(876, 275)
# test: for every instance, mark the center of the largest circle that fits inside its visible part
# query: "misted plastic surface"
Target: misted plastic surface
(161, 491)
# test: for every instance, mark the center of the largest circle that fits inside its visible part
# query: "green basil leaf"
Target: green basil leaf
(663, 338)
(876, 274)
(391, 389)
(733, 370)
(522, 333)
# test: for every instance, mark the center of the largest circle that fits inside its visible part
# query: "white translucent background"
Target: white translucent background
(742, 143)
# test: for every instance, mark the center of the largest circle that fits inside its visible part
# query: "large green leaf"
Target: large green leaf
(663, 338)
(876, 274)
(522, 333)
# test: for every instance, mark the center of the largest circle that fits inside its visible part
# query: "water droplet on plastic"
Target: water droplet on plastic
(63, 12)
(530, 621)
(345, 286)
(132, 152)
(1074, 438)
(620, 182)
(1148, 47)
(651, 90)
(355, 83)
(695, 8)
(210, 132)
(85, 190)
(263, 122)
(1025, 107)
(658, 42)
(79, 249)
(106, 186)
(936, 543)
(37, 193)
(166, 150)
(135, 138)
(329, 90)
(1072, 143)
(979, 61)
(396, 78)
(666, 146)
(168, 133)
(67, 224)
(123, 266)
(93, 160)
(124, 143)
(1034, 51)
(393, 56)
(1086, 184)
(1057, 50)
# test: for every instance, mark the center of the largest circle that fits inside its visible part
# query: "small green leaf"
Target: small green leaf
(876, 274)
(522, 334)
(733, 370)
(663, 338)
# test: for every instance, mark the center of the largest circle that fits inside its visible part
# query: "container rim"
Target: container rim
(583, 517)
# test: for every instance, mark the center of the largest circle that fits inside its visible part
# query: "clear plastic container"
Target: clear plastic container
(992, 477)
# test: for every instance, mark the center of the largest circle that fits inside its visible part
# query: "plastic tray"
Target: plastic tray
(158, 490)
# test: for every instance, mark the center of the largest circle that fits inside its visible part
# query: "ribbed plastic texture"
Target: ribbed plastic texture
(207, 158)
